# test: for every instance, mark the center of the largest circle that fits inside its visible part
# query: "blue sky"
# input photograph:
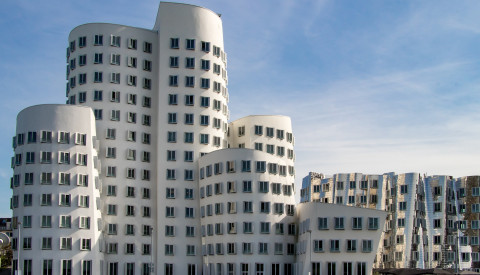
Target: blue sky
(371, 86)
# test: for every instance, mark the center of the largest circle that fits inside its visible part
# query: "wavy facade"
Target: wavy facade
(433, 221)
(141, 173)
(247, 213)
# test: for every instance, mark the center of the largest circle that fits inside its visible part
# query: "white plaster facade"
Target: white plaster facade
(337, 239)
(247, 213)
(56, 190)
(167, 186)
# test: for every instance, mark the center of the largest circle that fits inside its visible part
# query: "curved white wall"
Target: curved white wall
(35, 201)
(186, 22)
(264, 189)
(127, 229)
(267, 133)
(349, 255)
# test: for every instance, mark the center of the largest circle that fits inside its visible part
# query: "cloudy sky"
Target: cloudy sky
(371, 86)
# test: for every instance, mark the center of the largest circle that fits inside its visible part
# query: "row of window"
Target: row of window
(130, 192)
(278, 208)
(218, 209)
(260, 167)
(111, 133)
(450, 256)
(66, 267)
(189, 81)
(47, 137)
(130, 173)
(330, 268)
(45, 157)
(129, 230)
(115, 41)
(190, 64)
(269, 132)
(114, 60)
(190, 44)
(130, 210)
(339, 223)
(270, 148)
(203, 120)
(350, 245)
(248, 228)
(65, 243)
(239, 268)
(247, 187)
(46, 200)
(114, 78)
(340, 185)
(64, 221)
(247, 248)
(131, 154)
(113, 96)
(361, 199)
(47, 178)
(189, 100)
(82, 180)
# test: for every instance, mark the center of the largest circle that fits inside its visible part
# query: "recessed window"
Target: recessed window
(98, 40)
(147, 65)
(132, 43)
(205, 64)
(205, 83)
(205, 46)
(174, 43)
(98, 58)
(147, 47)
(173, 61)
(190, 44)
(132, 62)
(115, 41)
(173, 80)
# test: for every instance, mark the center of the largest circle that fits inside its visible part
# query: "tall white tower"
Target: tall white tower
(160, 102)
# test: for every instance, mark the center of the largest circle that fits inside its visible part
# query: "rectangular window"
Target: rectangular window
(132, 43)
(115, 41)
(189, 81)
(98, 58)
(205, 64)
(147, 65)
(205, 46)
(115, 59)
(173, 80)
(339, 223)
(173, 61)
(147, 47)
(373, 223)
(190, 44)
(98, 40)
(205, 83)
(174, 43)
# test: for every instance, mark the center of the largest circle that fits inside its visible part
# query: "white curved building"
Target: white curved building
(56, 191)
(145, 175)
(247, 213)
(267, 133)
(160, 101)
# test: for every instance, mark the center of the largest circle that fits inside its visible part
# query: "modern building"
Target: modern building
(337, 239)
(141, 172)
(56, 190)
(432, 221)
